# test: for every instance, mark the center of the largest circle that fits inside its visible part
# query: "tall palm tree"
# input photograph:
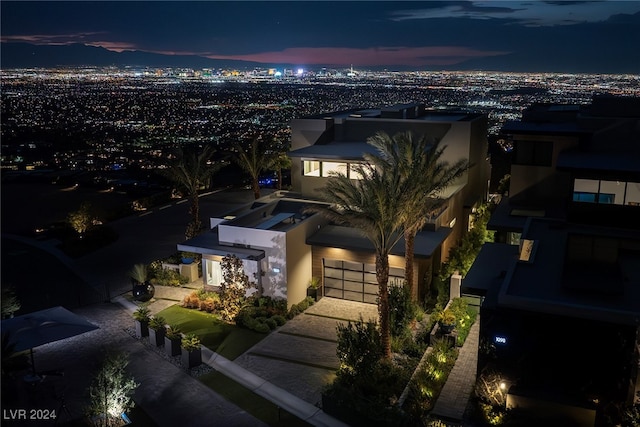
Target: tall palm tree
(192, 170)
(373, 205)
(418, 161)
(282, 161)
(255, 159)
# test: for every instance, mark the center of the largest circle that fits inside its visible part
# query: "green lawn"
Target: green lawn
(254, 404)
(226, 339)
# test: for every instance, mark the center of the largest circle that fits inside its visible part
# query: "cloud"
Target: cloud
(378, 56)
(525, 13)
(50, 39)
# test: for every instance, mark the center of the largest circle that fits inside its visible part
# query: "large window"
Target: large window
(311, 168)
(326, 169)
(331, 168)
(606, 192)
(533, 153)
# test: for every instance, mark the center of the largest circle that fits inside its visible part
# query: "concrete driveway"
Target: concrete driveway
(300, 356)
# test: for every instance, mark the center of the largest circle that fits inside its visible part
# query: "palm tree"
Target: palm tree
(254, 160)
(373, 205)
(282, 161)
(418, 161)
(192, 170)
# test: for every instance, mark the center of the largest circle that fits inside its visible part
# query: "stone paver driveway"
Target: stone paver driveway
(300, 356)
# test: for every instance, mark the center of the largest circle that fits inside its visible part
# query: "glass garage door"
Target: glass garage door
(354, 281)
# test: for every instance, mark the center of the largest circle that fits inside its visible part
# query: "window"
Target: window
(330, 168)
(311, 168)
(606, 192)
(533, 153)
(353, 172)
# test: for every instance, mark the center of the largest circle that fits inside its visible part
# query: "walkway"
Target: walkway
(454, 397)
(300, 357)
(286, 400)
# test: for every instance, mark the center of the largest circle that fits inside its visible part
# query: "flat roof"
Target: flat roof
(335, 150)
(541, 285)
(209, 244)
(489, 268)
(338, 236)
(626, 161)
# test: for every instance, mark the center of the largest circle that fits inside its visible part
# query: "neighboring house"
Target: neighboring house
(333, 142)
(560, 317)
(285, 248)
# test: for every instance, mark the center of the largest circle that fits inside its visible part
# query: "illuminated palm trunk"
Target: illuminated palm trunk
(409, 243)
(382, 275)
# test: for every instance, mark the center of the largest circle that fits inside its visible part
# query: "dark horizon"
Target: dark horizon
(545, 36)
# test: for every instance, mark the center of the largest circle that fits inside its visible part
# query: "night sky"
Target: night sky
(420, 35)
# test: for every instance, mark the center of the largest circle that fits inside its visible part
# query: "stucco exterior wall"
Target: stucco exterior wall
(274, 278)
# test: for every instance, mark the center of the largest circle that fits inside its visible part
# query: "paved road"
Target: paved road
(167, 393)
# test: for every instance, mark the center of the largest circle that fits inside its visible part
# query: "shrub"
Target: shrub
(167, 277)
(191, 301)
(280, 320)
(142, 313)
(157, 322)
(190, 342)
(271, 323)
(173, 332)
(261, 327)
(359, 348)
(402, 309)
(139, 273)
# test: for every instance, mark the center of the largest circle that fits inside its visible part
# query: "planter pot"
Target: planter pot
(191, 359)
(171, 347)
(447, 329)
(142, 329)
(187, 260)
(156, 337)
(143, 291)
(315, 293)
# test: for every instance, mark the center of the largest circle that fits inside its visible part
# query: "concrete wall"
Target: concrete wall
(523, 177)
(299, 259)
(274, 279)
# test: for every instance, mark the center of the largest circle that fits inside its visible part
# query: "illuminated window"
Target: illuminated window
(606, 192)
(331, 168)
(311, 168)
(611, 192)
(353, 172)
(633, 194)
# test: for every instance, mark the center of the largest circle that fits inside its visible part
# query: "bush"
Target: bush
(173, 332)
(280, 320)
(142, 314)
(191, 301)
(271, 323)
(359, 348)
(167, 277)
(190, 342)
(157, 323)
(402, 309)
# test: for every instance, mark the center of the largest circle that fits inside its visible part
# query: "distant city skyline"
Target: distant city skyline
(563, 36)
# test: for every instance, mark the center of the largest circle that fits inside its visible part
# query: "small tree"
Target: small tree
(234, 287)
(81, 220)
(111, 391)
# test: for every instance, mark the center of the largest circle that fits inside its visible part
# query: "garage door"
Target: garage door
(354, 281)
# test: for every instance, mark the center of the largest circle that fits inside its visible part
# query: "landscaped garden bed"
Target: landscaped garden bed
(371, 391)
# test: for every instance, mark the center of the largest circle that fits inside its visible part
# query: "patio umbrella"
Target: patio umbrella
(42, 327)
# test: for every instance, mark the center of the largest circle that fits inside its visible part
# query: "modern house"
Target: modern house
(285, 247)
(560, 316)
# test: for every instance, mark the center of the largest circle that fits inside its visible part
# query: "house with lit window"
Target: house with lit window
(560, 288)
(285, 247)
(335, 142)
